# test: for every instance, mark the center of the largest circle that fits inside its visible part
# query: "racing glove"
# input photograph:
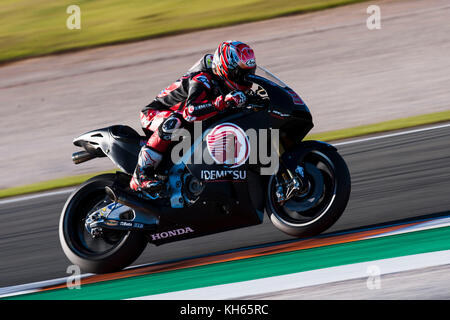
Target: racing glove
(234, 99)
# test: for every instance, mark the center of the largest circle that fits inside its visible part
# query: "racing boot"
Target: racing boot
(143, 178)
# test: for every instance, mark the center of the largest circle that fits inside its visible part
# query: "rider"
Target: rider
(213, 84)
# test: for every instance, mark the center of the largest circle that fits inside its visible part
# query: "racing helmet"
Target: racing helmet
(232, 61)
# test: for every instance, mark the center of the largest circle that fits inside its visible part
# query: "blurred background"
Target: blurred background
(347, 74)
(57, 83)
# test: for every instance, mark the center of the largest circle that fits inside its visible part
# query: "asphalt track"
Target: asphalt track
(393, 178)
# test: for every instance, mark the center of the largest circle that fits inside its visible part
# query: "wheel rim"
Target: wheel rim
(80, 239)
(306, 209)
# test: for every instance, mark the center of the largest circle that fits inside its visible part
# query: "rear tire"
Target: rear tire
(125, 247)
(335, 198)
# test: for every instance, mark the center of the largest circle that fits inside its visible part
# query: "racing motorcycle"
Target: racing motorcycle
(104, 226)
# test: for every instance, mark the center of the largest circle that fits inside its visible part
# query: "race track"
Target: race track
(393, 177)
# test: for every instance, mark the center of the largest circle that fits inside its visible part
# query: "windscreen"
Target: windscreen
(263, 72)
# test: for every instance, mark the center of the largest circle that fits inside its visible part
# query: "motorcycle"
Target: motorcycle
(104, 226)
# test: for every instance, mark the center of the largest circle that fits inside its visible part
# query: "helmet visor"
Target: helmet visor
(238, 75)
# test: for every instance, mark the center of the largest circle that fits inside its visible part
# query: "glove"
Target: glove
(236, 99)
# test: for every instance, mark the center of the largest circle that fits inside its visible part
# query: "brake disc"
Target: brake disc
(311, 199)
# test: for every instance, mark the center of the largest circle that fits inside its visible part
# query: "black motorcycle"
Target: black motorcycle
(221, 182)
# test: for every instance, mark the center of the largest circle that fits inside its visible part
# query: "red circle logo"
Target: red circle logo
(228, 144)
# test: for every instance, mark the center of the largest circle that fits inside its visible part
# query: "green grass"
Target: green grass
(325, 136)
(38, 27)
(382, 126)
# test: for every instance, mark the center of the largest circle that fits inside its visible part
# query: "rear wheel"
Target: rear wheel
(320, 206)
(114, 250)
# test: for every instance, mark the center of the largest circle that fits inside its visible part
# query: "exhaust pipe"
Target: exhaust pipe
(131, 201)
(82, 156)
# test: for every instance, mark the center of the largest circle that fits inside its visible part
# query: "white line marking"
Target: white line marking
(35, 286)
(306, 279)
(36, 196)
(392, 135)
(18, 293)
(426, 225)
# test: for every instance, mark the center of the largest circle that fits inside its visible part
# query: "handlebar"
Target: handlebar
(256, 101)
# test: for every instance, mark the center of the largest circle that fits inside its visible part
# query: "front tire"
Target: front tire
(117, 251)
(327, 172)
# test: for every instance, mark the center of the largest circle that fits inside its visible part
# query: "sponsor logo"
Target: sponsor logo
(171, 233)
(209, 60)
(202, 106)
(229, 145)
(282, 115)
(250, 63)
(223, 174)
(111, 222)
(126, 224)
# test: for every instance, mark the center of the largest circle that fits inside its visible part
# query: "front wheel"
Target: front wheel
(114, 250)
(320, 206)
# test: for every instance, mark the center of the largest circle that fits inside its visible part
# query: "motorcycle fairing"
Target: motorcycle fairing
(282, 99)
(293, 157)
(223, 205)
(119, 143)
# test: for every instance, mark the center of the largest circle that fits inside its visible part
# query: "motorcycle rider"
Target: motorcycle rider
(213, 84)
